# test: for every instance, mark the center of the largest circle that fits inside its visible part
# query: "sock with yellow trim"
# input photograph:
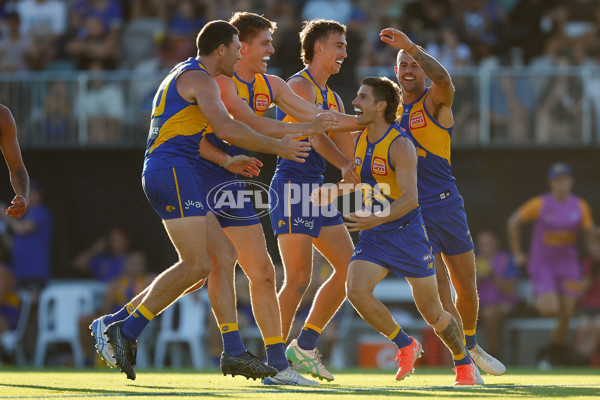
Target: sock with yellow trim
(232, 341)
(470, 338)
(276, 353)
(462, 359)
(400, 338)
(135, 323)
(119, 315)
(309, 335)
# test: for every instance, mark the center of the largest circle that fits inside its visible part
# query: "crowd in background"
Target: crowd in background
(92, 34)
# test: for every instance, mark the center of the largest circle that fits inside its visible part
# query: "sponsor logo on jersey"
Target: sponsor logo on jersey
(309, 224)
(421, 152)
(358, 161)
(193, 203)
(379, 166)
(427, 258)
(356, 252)
(261, 102)
(333, 107)
(417, 120)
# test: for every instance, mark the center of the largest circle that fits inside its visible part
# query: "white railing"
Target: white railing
(494, 106)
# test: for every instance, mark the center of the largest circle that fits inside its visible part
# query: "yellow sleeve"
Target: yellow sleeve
(530, 211)
(586, 219)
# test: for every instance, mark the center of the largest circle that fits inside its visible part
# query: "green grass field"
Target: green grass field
(349, 384)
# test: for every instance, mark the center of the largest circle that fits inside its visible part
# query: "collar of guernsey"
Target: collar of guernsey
(177, 125)
(314, 165)
(257, 94)
(376, 172)
(434, 172)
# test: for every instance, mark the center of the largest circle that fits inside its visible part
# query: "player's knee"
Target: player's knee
(299, 280)
(264, 278)
(194, 271)
(357, 293)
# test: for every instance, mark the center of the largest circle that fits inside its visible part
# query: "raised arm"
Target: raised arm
(268, 126)
(441, 94)
(19, 178)
(203, 89)
(514, 238)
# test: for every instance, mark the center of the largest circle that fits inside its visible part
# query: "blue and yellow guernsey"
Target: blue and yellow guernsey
(177, 126)
(434, 173)
(314, 166)
(377, 175)
(259, 96)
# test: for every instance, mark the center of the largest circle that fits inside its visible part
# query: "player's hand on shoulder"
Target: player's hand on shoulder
(18, 207)
(292, 149)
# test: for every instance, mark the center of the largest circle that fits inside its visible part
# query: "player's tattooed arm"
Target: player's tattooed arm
(432, 68)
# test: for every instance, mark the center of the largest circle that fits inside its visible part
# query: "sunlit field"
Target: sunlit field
(350, 384)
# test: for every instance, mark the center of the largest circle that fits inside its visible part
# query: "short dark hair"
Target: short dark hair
(214, 34)
(249, 24)
(315, 30)
(385, 90)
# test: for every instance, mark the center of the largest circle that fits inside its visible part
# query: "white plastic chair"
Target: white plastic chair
(188, 328)
(61, 306)
(11, 340)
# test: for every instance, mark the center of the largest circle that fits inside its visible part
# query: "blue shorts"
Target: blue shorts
(404, 251)
(447, 227)
(175, 192)
(293, 212)
(223, 200)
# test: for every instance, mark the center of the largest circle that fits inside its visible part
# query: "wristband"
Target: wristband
(230, 160)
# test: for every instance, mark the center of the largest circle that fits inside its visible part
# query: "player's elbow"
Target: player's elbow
(227, 131)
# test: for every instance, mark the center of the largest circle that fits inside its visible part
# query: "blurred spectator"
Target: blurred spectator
(496, 281)
(448, 49)
(44, 22)
(43, 18)
(337, 10)
(586, 340)
(527, 26)
(179, 41)
(480, 22)
(106, 258)
(103, 106)
(93, 45)
(109, 13)
(286, 39)
(512, 98)
(9, 300)
(17, 52)
(553, 263)
(31, 242)
(466, 110)
(558, 117)
(424, 18)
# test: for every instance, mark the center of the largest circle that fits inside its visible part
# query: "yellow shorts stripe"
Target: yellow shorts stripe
(178, 195)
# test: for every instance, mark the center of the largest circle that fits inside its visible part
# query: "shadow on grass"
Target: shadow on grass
(544, 391)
